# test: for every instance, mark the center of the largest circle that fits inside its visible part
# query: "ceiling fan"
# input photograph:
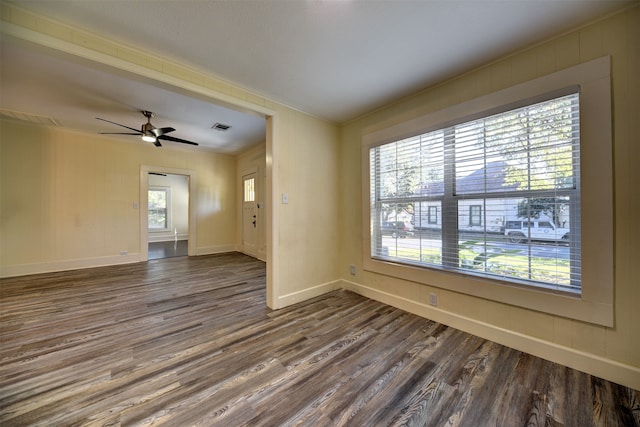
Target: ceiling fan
(148, 132)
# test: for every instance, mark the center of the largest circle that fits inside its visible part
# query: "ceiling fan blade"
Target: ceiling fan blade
(118, 124)
(174, 139)
(148, 130)
(161, 131)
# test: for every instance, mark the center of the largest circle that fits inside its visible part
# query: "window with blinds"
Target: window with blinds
(496, 196)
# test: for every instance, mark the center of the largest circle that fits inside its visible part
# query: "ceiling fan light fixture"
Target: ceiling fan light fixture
(148, 137)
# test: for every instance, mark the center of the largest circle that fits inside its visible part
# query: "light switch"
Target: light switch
(285, 198)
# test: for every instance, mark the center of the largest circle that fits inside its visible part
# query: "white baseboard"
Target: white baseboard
(305, 294)
(73, 264)
(598, 366)
(210, 250)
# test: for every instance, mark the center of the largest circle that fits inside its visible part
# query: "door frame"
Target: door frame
(144, 206)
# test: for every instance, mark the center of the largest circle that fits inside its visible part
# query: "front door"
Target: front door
(249, 215)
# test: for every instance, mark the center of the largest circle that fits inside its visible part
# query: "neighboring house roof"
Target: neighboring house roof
(489, 179)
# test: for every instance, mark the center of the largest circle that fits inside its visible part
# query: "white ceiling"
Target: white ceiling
(333, 59)
(72, 94)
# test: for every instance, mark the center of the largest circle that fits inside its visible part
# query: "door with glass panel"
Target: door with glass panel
(249, 215)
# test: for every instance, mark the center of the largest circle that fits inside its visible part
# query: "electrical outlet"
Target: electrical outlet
(352, 270)
(433, 300)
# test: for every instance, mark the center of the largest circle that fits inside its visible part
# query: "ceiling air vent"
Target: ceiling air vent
(27, 117)
(221, 127)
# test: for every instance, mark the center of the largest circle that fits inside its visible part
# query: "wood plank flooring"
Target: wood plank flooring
(189, 342)
(169, 249)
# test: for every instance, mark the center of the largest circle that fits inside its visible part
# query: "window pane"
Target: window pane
(496, 196)
(432, 164)
(412, 167)
(158, 218)
(157, 199)
(394, 231)
(249, 190)
(429, 232)
(529, 245)
(475, 215)
(157, 209)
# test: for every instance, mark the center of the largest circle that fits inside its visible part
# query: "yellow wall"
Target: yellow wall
(308, 172)
(595, 349)
(68, 198)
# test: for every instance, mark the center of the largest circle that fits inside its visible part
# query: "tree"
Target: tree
(537, 141)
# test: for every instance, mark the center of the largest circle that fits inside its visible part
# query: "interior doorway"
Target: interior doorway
(167, 223)
(167, 215)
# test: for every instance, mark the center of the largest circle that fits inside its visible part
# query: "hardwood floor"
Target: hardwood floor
(169, 249)
(189, 341)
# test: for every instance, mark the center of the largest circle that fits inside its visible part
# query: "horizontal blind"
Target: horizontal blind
(496, 196)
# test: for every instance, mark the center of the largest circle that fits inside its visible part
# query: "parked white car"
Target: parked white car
(519, 231)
